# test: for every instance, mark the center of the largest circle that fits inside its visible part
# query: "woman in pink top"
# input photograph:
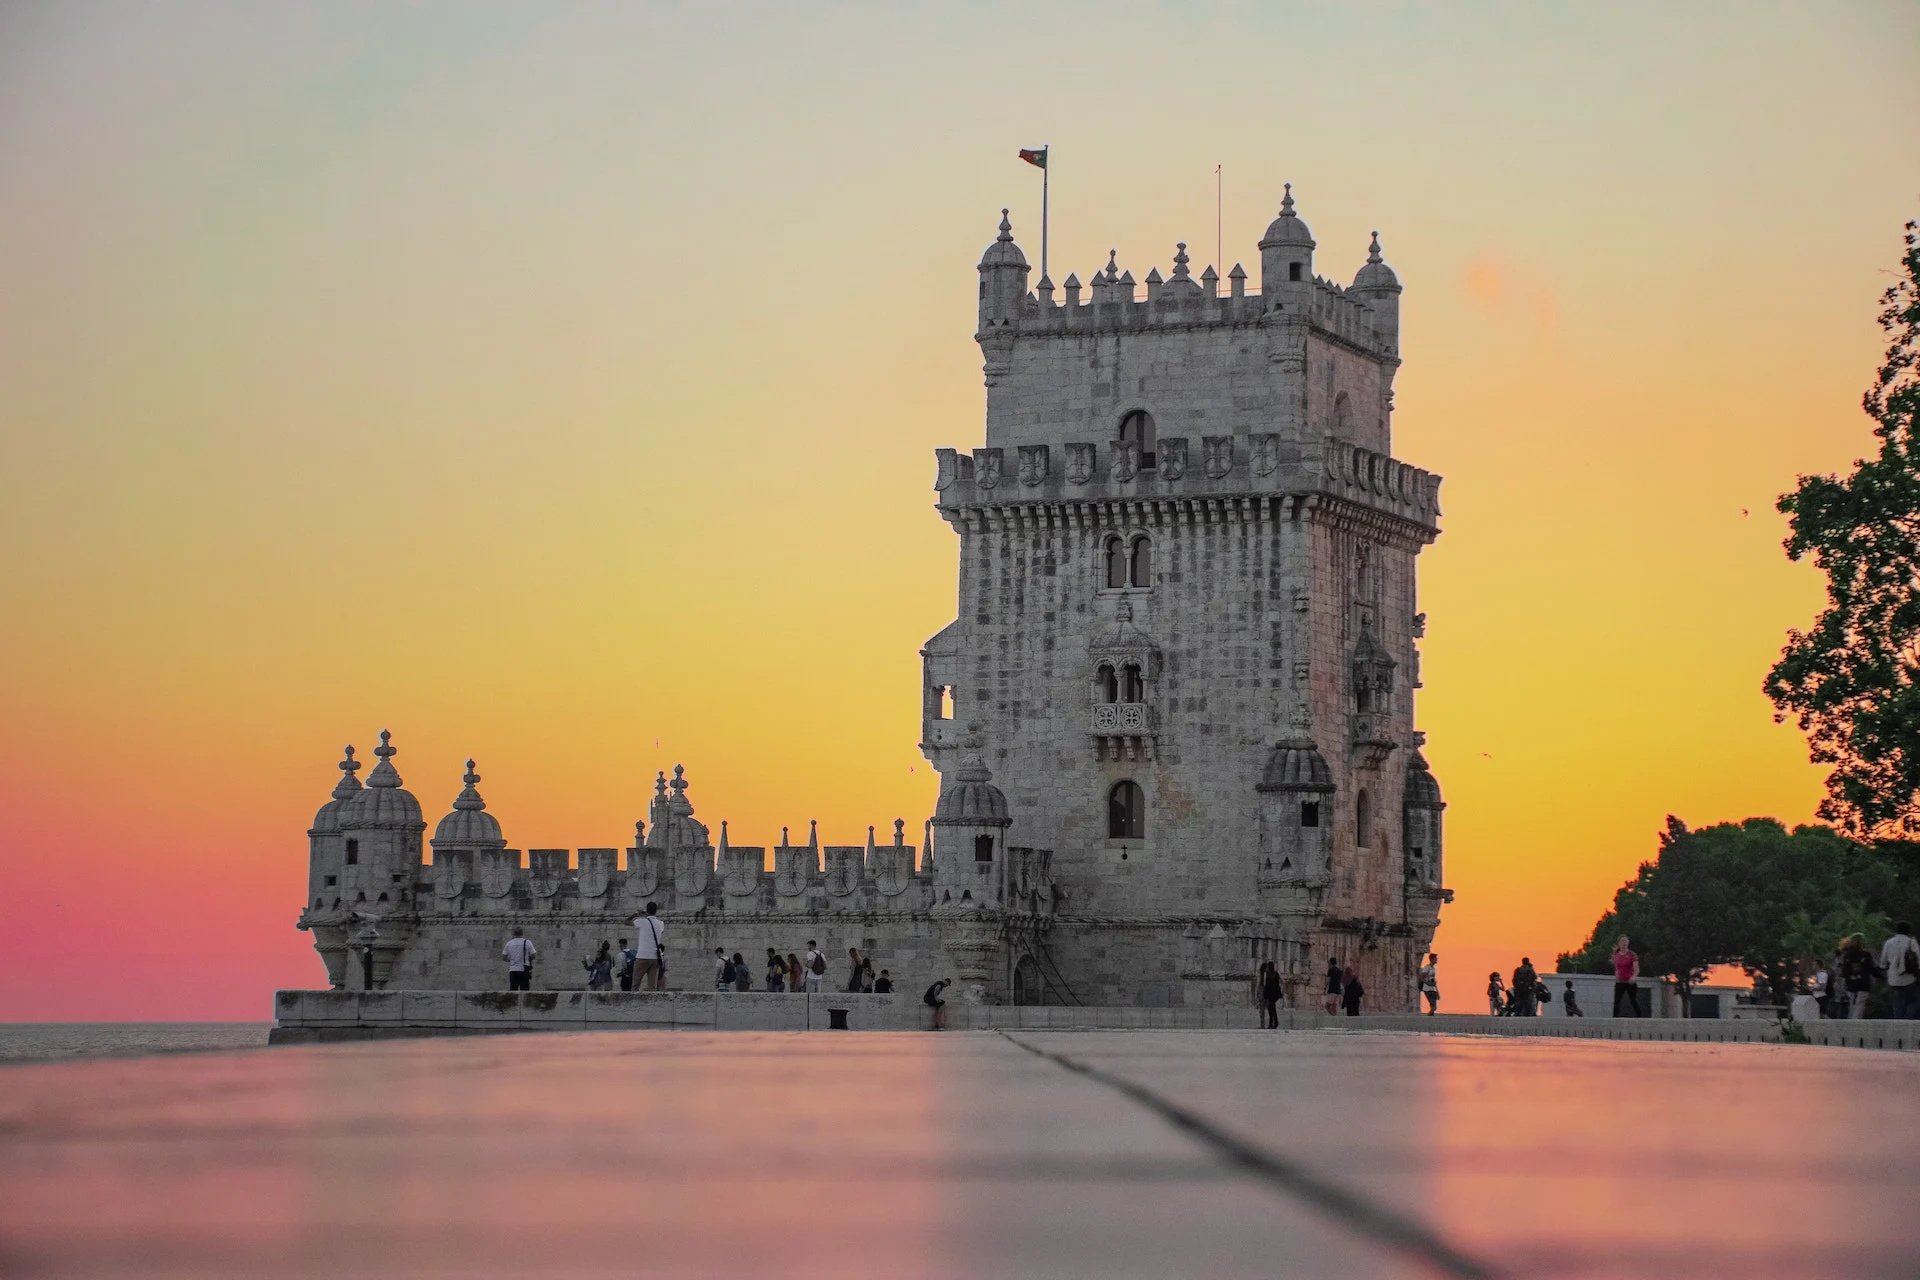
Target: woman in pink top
(1626, 968)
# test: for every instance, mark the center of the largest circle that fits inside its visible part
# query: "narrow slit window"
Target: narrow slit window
(1363, 819)
(353, 853)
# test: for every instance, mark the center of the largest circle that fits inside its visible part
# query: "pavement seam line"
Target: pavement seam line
(1349, 1210)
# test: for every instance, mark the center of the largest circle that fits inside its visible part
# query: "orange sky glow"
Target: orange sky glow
(558, 386)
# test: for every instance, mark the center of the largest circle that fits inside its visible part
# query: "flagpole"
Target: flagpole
(1046, 175)
(1219, 245)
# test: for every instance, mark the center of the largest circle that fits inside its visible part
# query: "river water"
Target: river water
(44, 1041)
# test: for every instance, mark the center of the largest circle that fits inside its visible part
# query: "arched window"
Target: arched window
(1116, 562)
(1140, 563)
(1126, 812)
(1363, 819)
(1132, 687)
(1109, 684)
(983, 848)
(1028, 988)
(1137, 428)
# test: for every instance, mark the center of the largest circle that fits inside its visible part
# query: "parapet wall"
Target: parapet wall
(1114, 305)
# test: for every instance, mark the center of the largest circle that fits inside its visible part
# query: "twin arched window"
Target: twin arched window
(1129, 561)
(1124, 685)
(1137, 429)
(1126, 812)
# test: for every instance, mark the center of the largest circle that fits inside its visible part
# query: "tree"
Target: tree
(1853, 681)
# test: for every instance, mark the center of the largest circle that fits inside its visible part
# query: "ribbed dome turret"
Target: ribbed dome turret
(469, 826)
(1422, 788)
(1003, 252)
(1296, 765)
(1288, 228)
(971, 799)
(327, 821)
(383, 802)
(1375, 274)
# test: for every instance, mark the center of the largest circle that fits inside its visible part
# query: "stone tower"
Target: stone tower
(1185, 643)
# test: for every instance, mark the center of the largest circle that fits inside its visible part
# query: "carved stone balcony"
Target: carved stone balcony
(1122, 718)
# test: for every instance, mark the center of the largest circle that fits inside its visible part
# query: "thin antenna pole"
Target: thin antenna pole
(1219, 242)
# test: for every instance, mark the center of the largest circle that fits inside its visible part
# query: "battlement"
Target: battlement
(1219, 469)
(1114, 304)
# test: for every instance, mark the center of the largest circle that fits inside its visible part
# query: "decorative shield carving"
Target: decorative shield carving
(986, 468)
(545, 871)
(843, 870)
(450, 872)
(1266, 454)
(1079, 463)
(790, 867)
(643, 873)
(1033, 464)
(596, 872)
(497, 867)
(1126, 461)
(947, 468)
(692, 872)
(1219, 456)
(1173, 457)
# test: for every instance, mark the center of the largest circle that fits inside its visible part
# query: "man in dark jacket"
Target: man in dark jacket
(1524, 982)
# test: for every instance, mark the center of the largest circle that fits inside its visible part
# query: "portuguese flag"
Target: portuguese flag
(1038, 159)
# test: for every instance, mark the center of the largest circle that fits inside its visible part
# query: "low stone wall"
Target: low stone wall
(309, 1016)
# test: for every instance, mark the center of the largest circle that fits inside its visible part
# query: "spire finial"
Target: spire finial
(679, 782)
(348, 783)
(1180, 261)
(386, 749)
(1373, 250)
(384, 774)
(660, 784)
(1006, 227)
(1113, 265)
(1286, 202)
(470, 798)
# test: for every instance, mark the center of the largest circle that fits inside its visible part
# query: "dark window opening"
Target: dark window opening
(383, 897)
(1137, 428)
(332, 881)
(1293, 271)
(1132, 687)
(1116, 563)
(1417, 856)
(1109, 684)
(1140, 563)
(1126, 812)
(1363, 819)
(353, 852)
(1362, 695)
(1309, 813)
(983, 848)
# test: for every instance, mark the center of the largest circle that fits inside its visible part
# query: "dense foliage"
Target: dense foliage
(1773, 901)
(1853, 681)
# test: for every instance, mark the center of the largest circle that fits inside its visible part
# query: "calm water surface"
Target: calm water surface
(40, 1041)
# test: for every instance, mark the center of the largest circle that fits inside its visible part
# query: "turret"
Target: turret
(381, 830)
(970, 838)
(1420, 825)
(325, 843)
(1379, 288)
(1296, 827)
(1286, 254)
(1003, 290)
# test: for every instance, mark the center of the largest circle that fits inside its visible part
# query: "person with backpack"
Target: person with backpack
(649, 945)
(628, 958)
(816, 967)
(1525, 985)
(722, 970)
(1269, 990)
(1900, 960)
(776, 971)
(1430, 983)
(520, 954)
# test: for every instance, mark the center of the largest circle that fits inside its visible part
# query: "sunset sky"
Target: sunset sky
(558, 385)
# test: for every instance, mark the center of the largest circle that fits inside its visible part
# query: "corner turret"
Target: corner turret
(1377, 287)
(1286, 253)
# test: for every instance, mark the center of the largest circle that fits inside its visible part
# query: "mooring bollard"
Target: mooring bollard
(837, 1019)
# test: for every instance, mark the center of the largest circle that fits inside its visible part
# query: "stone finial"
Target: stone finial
(899, 832)
(1153, 276)
(384, 774)
(1210, 281)
(1113, 268)
(813, 833)
(1045, 288)
(723, 835)
(1072, 281)
(348, 783)
(1180, 261)
(679, 782)
(785, 843)
(660, 784)
(1286, 201)
(1006, 228)
(470, 798)
(1373, 250)
(639, 833)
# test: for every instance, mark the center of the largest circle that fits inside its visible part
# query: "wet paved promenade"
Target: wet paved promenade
(1029, 1153)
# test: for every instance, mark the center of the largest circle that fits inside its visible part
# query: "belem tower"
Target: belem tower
(1173, 719)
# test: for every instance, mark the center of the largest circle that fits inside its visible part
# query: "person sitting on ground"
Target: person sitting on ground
(883, 984)
(1573, 1004)
(933, 1001)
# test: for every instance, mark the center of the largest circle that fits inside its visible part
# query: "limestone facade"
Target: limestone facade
(1173, 718)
